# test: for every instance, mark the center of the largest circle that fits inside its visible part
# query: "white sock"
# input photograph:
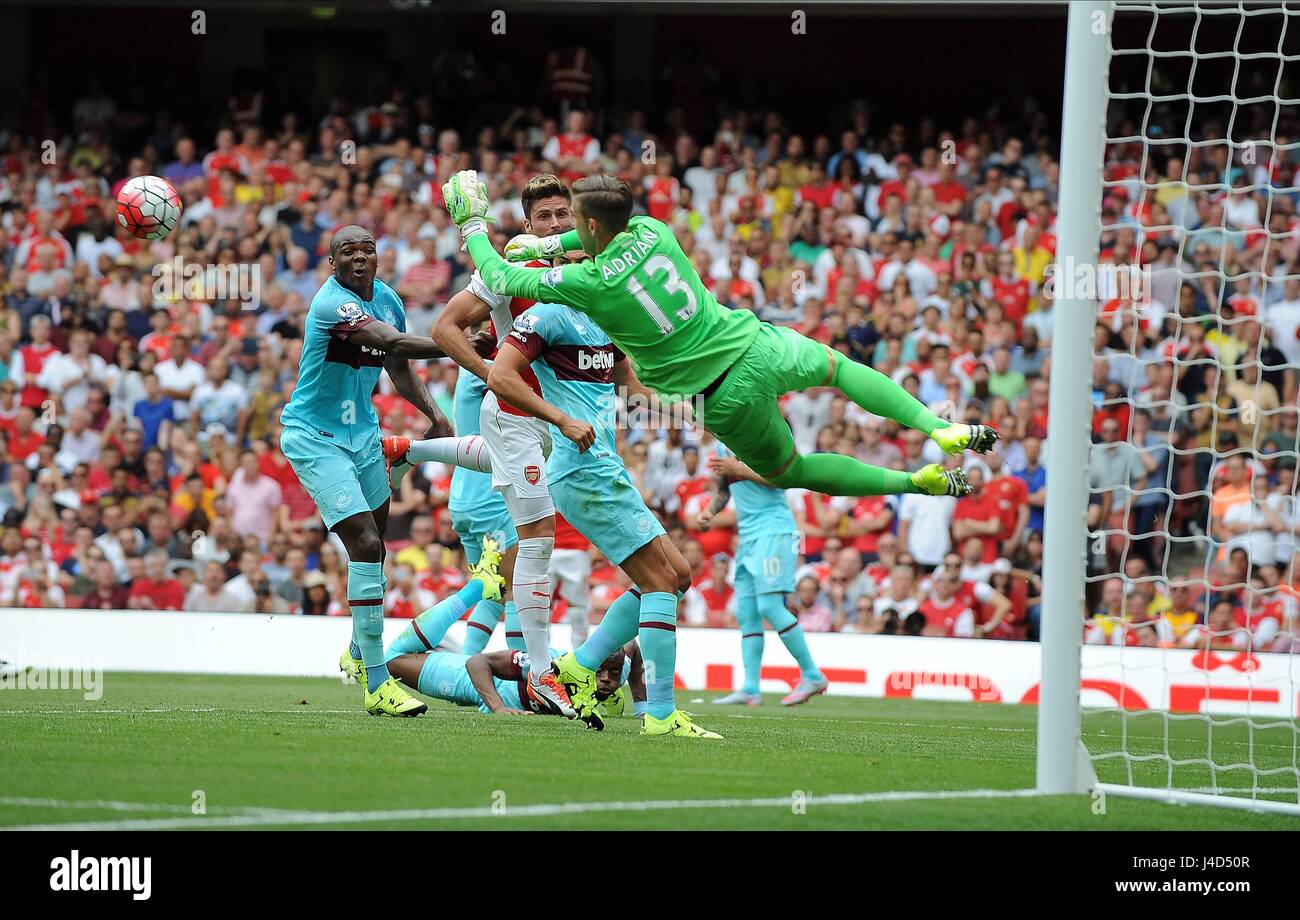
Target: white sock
(578, 623)
(469, 452)
(532, 594)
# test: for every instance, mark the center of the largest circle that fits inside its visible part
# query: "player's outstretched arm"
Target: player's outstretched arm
(526, 247)
(505, 379)
(482, 668)
(467, 205)
(734, 468)
(411, 389)
(633, 389)
(721, 495)
(463, 311)
(395, 344)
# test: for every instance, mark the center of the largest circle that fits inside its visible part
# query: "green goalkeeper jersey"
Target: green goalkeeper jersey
(643, 291)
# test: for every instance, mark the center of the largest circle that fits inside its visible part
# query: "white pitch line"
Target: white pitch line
(112, 805)
(516, 811)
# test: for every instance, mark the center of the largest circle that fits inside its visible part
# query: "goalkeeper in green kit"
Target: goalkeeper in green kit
(642, 290)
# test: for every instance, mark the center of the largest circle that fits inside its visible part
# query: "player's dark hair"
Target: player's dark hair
(614, 662)
(607, 199)
(914, 624)
(539, 187)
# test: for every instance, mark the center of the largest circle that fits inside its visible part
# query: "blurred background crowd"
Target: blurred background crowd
(141, 382)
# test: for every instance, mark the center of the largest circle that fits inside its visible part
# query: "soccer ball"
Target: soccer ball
(148, 207)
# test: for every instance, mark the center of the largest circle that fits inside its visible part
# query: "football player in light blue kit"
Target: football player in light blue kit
(356, 329)
(765, 565)
(478, 511)
(497, 682)
(577, 367)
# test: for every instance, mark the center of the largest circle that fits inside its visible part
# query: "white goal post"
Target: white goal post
(1243, 756)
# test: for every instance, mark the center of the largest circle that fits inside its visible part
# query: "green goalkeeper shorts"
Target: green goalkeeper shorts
(742, 412)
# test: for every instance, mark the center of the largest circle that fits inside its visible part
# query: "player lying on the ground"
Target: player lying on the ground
(484, 582)
(641, 287)
(495, 682)
(355, 329)
(577, 367)
(765, 565)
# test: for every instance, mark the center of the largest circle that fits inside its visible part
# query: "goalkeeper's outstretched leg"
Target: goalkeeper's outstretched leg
(741, 410)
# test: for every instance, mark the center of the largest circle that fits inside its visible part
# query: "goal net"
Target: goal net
(1189, 674)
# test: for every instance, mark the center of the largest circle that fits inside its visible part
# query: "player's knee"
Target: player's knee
(682, 572)
(543, 528)
(365, 546)
(534, 549)
(787, 477)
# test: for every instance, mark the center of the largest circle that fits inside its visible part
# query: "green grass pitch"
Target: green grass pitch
(290, 752)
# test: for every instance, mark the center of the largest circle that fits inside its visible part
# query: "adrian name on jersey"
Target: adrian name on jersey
(642, 239)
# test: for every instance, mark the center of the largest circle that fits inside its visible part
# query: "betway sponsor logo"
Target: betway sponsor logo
(595, 360)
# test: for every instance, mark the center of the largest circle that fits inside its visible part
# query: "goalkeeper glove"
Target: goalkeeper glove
(526, 248)
(466, 199)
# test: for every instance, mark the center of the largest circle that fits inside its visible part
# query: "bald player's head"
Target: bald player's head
(355, 259)
(349, 234)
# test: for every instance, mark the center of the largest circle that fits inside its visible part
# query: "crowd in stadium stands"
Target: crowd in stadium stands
(139, 399)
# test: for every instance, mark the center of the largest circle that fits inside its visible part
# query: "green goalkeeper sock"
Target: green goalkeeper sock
(836, 474)
(879, 395)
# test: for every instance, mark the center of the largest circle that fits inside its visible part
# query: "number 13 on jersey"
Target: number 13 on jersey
(658, 297)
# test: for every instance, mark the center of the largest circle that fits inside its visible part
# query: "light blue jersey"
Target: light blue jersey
(336, 377)
(769, 537)
(443, 675)
(761, 510)
(574, 362)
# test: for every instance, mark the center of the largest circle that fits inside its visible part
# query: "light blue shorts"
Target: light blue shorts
(341, 482)
(766, 564)
(606, 508)
(478, 511)
(473, 528)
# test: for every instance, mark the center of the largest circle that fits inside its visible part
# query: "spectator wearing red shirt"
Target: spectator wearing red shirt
(108, 593)
(156, 591)
(1011, 495)
(820, 190)
(29, 361)
(24, 439)
(946, 612)
(977, 515)
(903, 164)
(661, 191)
(718, 594)
(575, 153)
(949, 193)
(869, 519)
(693, 496)
(1010, 290)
